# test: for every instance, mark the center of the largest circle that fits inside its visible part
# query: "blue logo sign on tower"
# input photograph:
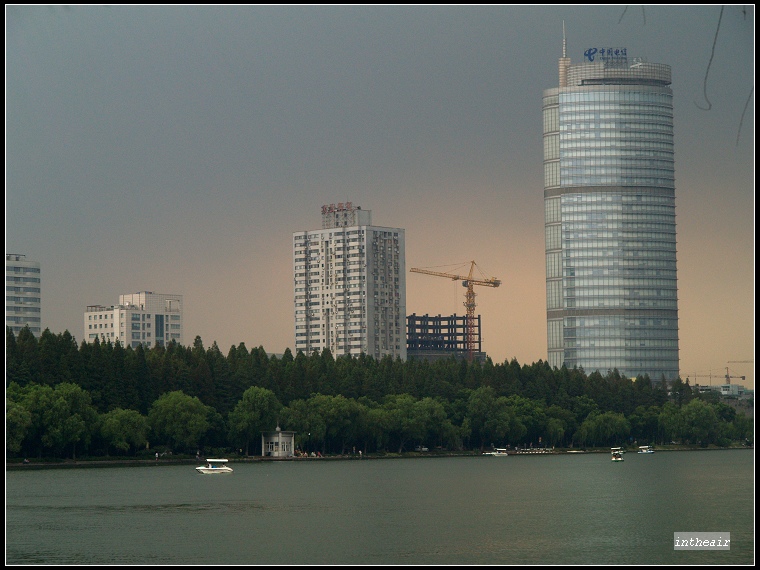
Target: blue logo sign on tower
(617, 55)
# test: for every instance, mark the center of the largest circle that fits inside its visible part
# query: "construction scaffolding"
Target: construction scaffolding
(438, 337)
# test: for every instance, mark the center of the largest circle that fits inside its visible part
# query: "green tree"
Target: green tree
(201, 379)
(378, 422)
(406, 420)
(132, 378)
(76, 418)
(700, 422)
(21, 353)
(239, 370)
(670, 423)
(611, 428)
(603, 429)
(438, 427)
(725, 412)
(582, 406)
(480, 409)
(532, 415)
(257, 411)
(555, 431)
(645, 423)
(342, 417)
(124, 429)
(179, 420)
(567, 423)
(682, 392)
(744, 428)
(18, 420)
(493, 420)
(62, 417)
(36, 400)
(584, 435)
(221, 379)
(304, 418)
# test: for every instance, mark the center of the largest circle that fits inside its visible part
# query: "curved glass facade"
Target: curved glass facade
(616, 138)
(609, 189)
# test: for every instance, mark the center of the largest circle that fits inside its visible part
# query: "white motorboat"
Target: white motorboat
(498, 452)
(214, 466)
(646, 449)
(617, 454)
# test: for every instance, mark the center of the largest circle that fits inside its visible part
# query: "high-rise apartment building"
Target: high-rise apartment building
(350, 285)
(23, 299)
(145, 318)
(610, 225)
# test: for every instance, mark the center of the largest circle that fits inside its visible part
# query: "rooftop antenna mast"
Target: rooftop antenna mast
(564, 61)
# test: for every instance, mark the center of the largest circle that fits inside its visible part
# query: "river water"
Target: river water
(554, 509)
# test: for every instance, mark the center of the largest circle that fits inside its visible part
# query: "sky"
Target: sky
(176, 149)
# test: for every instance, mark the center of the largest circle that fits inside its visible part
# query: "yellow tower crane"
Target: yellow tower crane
(729, 377)
(469, 303)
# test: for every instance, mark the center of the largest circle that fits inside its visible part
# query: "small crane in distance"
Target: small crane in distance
(469, 303)
(728, 377)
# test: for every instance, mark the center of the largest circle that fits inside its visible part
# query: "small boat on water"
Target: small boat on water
(646, 449)
(214, 466)
(498, 452)
(617, 454)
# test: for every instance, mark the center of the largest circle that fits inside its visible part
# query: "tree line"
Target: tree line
(65, 399)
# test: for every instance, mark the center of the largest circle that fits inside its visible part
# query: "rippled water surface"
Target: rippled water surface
(561, 509)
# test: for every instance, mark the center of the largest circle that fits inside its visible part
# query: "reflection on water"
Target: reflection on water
(563, 509)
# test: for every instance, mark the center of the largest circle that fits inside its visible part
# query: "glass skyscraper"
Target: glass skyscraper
(610, 227)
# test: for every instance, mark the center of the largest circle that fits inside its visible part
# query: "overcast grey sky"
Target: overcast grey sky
(176, 150)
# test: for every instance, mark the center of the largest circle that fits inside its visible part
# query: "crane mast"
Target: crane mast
(469, 303)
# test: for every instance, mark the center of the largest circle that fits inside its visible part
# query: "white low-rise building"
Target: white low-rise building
(278, 443)
(724, 389)
(145, 318)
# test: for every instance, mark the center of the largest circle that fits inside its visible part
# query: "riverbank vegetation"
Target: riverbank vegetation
(65, 400)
